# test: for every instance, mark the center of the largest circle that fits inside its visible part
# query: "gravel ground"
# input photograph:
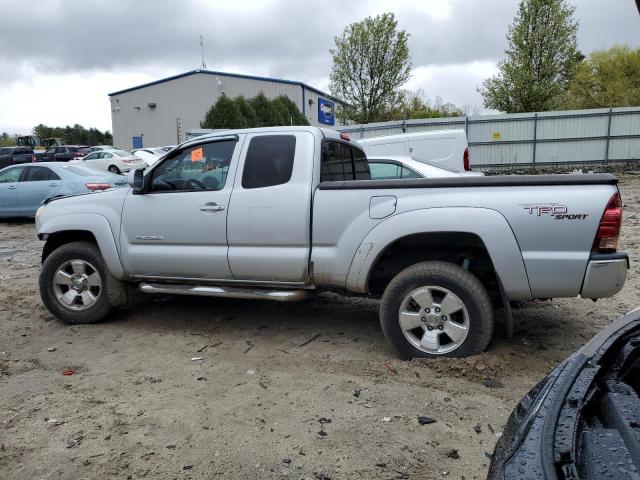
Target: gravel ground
(299, 391)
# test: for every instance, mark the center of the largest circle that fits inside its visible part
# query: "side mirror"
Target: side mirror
(135, 179)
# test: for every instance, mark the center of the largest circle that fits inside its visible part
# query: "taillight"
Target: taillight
(609, 229)
(344, 136)
(126, 160)
(465, 160)
(98, 186)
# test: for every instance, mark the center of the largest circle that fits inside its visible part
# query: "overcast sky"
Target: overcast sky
(60, 58)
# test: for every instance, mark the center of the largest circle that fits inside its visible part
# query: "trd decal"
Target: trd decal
(559, 212)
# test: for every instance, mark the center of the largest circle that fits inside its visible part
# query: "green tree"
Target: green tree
(289, 111)
(223, 114)
(247, 111)
(541, 59)
(608, 78)
(268, 114)
(415, 104)
(370, 65)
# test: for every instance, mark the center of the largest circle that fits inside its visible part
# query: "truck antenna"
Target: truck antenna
(204, 65)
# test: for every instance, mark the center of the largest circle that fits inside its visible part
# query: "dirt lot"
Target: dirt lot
(260, 403)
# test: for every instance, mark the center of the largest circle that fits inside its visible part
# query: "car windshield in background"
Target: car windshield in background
(121, 153)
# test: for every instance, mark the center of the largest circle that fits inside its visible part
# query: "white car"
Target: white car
(98, 148)
(396, 167)
(115, 161)
(445, 148)
(149, 155)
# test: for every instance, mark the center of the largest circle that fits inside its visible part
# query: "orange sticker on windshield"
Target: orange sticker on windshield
(196, 154)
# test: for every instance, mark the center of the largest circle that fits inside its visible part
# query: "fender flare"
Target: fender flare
(95, 224)
(489, 225)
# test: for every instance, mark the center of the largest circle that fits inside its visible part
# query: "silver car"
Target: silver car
(24, 187)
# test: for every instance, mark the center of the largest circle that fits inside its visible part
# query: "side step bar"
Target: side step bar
(228, 292)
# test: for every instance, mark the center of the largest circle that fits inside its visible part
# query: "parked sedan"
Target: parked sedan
(24, 187)
(63, 153)
(398, 167)
(115, 161)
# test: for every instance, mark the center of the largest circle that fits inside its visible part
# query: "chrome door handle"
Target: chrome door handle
(12, 187)
(211, 207)
(53, 184)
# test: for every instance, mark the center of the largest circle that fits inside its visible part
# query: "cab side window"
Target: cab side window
(199, 168)
(341, 162)
(269, 161)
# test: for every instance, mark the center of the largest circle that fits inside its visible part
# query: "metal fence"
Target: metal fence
(563, 138)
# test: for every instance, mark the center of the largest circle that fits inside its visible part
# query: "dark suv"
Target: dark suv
(64, 153)
(14, 155)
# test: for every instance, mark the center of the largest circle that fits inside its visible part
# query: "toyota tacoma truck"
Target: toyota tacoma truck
(280, 213)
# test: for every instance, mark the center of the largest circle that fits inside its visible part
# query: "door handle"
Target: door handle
(53, 184)
(12, 187)
(211, 207)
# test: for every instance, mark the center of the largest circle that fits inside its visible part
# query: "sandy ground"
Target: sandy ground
(260, 403)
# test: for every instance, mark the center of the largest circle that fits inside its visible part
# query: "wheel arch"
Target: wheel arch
(433, 232)
(82, 227)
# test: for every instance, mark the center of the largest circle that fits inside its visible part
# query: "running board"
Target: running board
(228, 292)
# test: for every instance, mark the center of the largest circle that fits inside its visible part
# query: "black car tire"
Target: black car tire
(452, 278)
(112, 292)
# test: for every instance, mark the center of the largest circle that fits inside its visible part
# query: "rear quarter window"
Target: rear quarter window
(269, 161)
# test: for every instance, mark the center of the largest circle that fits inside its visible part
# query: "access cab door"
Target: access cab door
(269, 220)
(177, 228)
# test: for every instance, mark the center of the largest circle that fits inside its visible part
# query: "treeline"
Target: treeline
(76, 135)
(258, 111)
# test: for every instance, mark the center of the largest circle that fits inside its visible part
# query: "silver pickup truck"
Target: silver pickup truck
(281, 213)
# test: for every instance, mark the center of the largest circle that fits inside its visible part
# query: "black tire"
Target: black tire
(114, 169)
(110, 294)
(449, 276)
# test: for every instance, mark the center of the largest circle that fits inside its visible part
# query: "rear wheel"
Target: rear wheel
(114, 169)
(75, 285)
(436, 309)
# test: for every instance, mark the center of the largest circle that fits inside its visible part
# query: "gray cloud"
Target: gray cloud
(288, 39)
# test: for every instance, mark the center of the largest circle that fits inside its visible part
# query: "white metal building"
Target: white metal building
(160, 112)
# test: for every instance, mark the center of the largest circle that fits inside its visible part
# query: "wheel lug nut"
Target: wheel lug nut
(437, 310)
(423, 319)
(429, 328)
(427, 310)
(444, 318)
(440, 327)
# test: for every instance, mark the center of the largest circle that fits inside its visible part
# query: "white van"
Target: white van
(446, 148)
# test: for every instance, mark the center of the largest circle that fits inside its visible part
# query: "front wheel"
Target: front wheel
(436, 309)
(76, 286)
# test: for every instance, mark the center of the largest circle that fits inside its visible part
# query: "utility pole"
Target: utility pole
(204, 65)
(178, 128)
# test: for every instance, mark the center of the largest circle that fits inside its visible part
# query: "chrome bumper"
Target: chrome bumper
(605, 276)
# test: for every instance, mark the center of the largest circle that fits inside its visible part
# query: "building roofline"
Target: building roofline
(225, 74)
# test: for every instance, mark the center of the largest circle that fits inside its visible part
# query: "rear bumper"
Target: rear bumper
(605, 276)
